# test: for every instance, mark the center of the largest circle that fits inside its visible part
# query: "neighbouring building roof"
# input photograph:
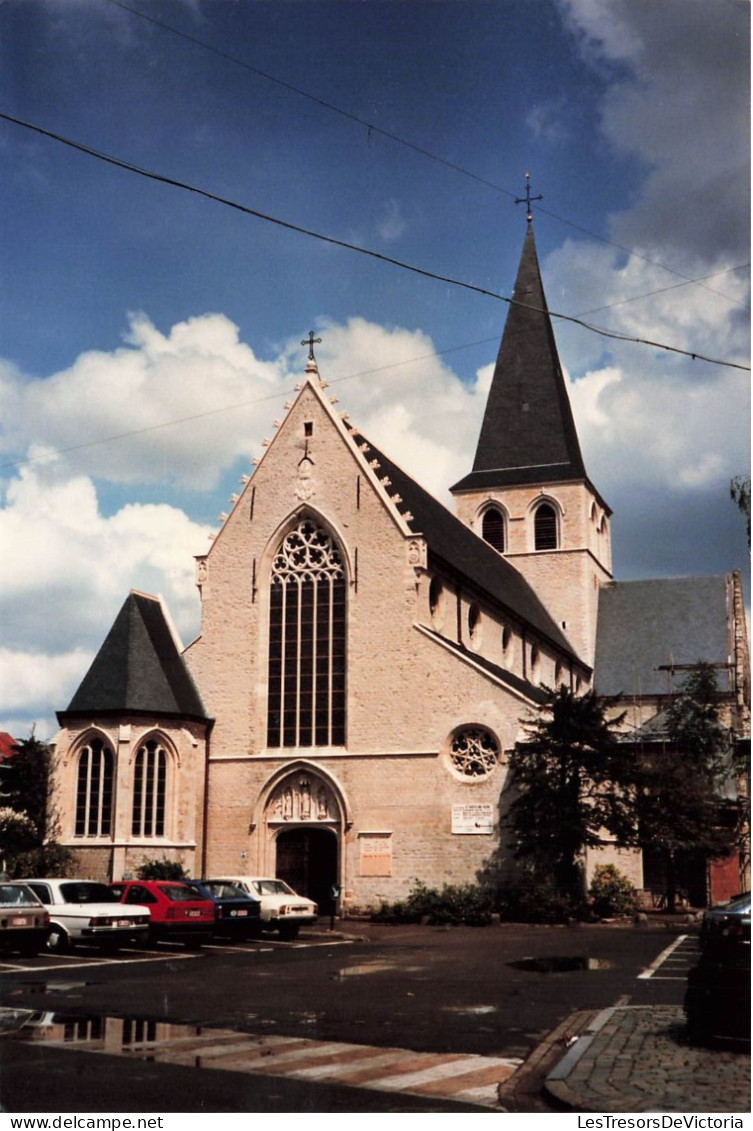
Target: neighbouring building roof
(7, 745)
(139, 668)
(647, 625)
(528, 433)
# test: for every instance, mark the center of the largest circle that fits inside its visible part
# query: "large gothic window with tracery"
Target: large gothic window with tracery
(307, 607)
(149, 790)
(94, 780)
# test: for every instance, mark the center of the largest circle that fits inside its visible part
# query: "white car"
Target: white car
(281, 908)
(84, 911)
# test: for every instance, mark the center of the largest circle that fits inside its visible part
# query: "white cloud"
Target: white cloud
(157, 409)
(69, 572)
(676, 105)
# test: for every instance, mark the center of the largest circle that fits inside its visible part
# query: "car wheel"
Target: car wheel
(58, 941)
(288, 933)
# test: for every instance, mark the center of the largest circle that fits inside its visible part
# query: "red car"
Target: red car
(176, 913)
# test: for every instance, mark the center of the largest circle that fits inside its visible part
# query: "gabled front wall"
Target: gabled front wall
(391, 785)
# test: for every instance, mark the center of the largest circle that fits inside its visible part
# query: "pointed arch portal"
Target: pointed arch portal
(303, 820)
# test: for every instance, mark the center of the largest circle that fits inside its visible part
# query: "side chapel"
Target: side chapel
(366, 656)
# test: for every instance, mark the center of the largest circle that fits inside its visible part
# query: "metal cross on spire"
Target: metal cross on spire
(311, 341)
(527, 199)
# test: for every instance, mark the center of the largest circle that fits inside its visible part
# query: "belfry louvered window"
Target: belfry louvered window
(493, 529)
(545, 527)
(149, 790)
(94, 790)
(307, 612)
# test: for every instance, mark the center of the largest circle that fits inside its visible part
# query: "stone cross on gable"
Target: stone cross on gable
(311, 341)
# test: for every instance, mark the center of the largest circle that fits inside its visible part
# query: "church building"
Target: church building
(366, 656)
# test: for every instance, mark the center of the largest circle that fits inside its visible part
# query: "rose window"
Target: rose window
(474, 752)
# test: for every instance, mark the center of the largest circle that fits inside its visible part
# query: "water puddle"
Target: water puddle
(33, 988)
(470, 1010)
(558, 964)
(363, 968)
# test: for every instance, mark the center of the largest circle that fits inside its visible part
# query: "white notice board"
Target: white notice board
(474, 820)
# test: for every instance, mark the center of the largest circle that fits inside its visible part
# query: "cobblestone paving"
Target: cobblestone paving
(639, 1060)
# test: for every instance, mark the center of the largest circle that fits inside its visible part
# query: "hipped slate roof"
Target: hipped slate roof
(528, 434)
(139, 668)
(643, 625)
(466, 555)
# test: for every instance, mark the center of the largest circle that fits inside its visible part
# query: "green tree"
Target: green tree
(26, 784)
(27, 788)
(567, 779)
(679, 782)
(17, 835)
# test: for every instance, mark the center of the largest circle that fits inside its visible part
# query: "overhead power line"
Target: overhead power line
(373, 128)
(161, 178)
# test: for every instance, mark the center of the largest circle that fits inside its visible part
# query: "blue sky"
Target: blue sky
(150, 336)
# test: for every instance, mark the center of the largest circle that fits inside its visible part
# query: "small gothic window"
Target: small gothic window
(545, 527)
(436, 600)
(149, 789)
(474, 752)
(474, 625)
(493, 529)
(94, 790)
(535, 664)
(307, 641)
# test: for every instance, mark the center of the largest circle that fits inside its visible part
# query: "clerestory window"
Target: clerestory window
(307, 641)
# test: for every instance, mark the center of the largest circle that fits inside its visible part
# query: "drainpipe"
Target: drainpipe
(205, 806)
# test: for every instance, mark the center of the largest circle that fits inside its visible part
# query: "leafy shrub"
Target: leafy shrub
(49, 859)
(611, 892)
(163, 869)
(455, 904)
(537, 900)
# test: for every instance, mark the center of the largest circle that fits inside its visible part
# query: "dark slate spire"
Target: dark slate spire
(138, 669)
(528, 433)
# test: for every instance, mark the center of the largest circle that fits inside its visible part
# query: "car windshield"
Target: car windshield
(226, 891)
(273, 887)
(17, 895)
(87, 892)
(179, 893)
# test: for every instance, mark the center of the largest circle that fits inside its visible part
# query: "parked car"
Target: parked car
(177, 913)
(237, 914)
(24, 922)
(281, 908)
(85, 911)
(727, 923)
(717, 997)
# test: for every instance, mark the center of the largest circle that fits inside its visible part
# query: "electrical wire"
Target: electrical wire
(290, 226)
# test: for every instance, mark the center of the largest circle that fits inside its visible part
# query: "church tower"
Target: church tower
(528, 494)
